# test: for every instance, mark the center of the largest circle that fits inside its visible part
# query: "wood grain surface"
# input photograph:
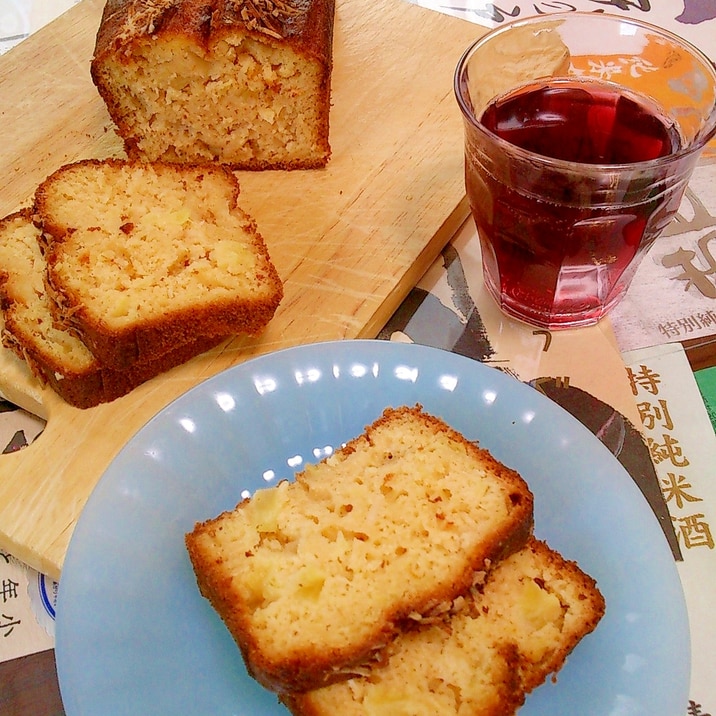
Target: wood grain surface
(348, 241)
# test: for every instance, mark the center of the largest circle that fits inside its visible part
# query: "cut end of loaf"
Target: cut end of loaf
(29, 323)
(211, 88)
(55, 356)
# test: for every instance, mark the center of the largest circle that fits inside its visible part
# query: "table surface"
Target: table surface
(28, 685)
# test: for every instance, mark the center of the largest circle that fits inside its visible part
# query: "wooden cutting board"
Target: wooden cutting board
(349, 241)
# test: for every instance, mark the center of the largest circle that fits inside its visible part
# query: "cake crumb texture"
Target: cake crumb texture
(56, 356)
(315, 576)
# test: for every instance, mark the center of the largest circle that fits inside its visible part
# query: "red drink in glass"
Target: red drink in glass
(581, 134)
(560, 254)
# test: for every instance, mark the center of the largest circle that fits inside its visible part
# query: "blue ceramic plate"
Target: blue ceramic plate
(135, 637)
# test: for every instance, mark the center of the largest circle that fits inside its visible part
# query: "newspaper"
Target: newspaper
(694, 20)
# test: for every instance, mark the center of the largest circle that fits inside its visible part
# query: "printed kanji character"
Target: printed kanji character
(675, 488)
(699, 278)
(695, 532)
(693, 215)
(644, 5)
(8, 624)
(650, 414)
(668, 450)
(706, 319)
(689, 323)
(638, 66)
(493, 13)
(670, 329)
(546, 8)
(8, 589)
(604, 69)
(694, 709)
(645, 378)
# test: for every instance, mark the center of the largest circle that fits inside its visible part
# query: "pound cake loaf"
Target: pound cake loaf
(242, 82)
(502, 640)
(55, 356)
(315, 576)
(144, 258)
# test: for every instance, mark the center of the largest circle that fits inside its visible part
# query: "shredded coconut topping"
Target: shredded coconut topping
(144, 14)
(265, 16)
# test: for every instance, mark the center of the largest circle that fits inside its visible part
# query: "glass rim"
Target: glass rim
(564, 164)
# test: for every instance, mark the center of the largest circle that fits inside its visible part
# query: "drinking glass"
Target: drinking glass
(581, 133)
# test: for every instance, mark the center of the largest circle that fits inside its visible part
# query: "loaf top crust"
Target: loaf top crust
(499, 642)
(316, 575)
(306, 24)
(245, 83)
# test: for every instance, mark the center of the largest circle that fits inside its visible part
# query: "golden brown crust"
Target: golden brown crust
(304, 26)
(151, 340)
(321, 664)
(148, 339)
(98, 384)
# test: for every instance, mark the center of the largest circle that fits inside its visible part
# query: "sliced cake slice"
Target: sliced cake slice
(143, 258)
(240, 82)
(54, 355)
(315, 576)
(502, 639)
